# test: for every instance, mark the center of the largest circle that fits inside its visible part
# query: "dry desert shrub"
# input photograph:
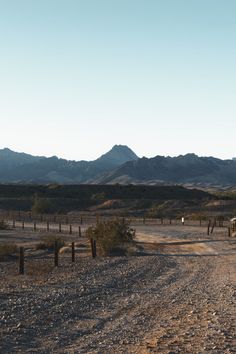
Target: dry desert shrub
(4, 225)
(47, 242)
(113, 237)
(7, 249)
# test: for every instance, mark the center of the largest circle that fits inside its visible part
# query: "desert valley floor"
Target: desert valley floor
(175, 294)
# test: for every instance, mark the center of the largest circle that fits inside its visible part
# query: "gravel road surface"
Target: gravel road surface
(167, 299)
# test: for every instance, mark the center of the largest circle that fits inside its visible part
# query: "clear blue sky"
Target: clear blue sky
(78, 76)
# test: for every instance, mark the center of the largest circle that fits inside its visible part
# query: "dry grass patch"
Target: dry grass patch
(39, 268)
(4, 225)
(7, 249)
(47, 242)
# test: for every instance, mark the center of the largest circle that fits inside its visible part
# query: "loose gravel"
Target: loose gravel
(139, 304)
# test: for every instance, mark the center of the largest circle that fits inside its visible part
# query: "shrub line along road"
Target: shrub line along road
(171, 298)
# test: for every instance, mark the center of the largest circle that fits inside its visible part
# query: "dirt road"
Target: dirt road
(168, 299)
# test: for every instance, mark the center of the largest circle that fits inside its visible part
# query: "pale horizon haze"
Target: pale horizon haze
(77, 77)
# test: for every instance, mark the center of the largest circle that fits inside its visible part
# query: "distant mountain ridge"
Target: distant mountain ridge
(119, 165)
(183, 169)
(24, 168)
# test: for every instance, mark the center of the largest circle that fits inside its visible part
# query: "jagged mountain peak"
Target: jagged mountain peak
(119, 154)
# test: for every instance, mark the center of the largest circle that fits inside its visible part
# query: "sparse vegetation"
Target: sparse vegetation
(98, 197)
(7, 249)
(41, 205)
(48, 242)
(4, 225)
(39, 268)
(112, 237)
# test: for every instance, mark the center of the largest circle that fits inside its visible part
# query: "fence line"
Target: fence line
(73, 226)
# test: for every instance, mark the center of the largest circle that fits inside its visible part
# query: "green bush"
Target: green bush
(112, 237)
(47, 242)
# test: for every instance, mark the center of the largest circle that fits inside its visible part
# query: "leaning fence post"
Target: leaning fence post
(21, 261)
(212, 228)
(55, 254)
(208, 227)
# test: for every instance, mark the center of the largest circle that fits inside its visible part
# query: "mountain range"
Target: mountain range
(119, 165)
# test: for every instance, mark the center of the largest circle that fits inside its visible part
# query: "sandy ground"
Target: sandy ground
(176, 295)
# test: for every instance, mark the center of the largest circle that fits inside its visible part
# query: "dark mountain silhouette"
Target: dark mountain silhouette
(183, 169)
(119, 165)
(23, 168)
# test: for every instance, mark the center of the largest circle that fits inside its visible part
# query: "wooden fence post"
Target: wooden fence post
(47, 225)
(213, 226)
(21, 261)
(144, 220)
(229, 231)
(35, 226)
(23, 224)
(70, 230)
(81, 220)
(59, 225)
(94, 249)
(92, 245)
(80, 233)
(73, 252)
(208, 227)
(55, 254)
(13, 223)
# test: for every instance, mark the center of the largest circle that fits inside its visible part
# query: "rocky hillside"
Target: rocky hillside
(119, 165)
(23, 168)
(183, 169)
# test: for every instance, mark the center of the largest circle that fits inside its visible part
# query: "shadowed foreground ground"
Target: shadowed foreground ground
(170, 299)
